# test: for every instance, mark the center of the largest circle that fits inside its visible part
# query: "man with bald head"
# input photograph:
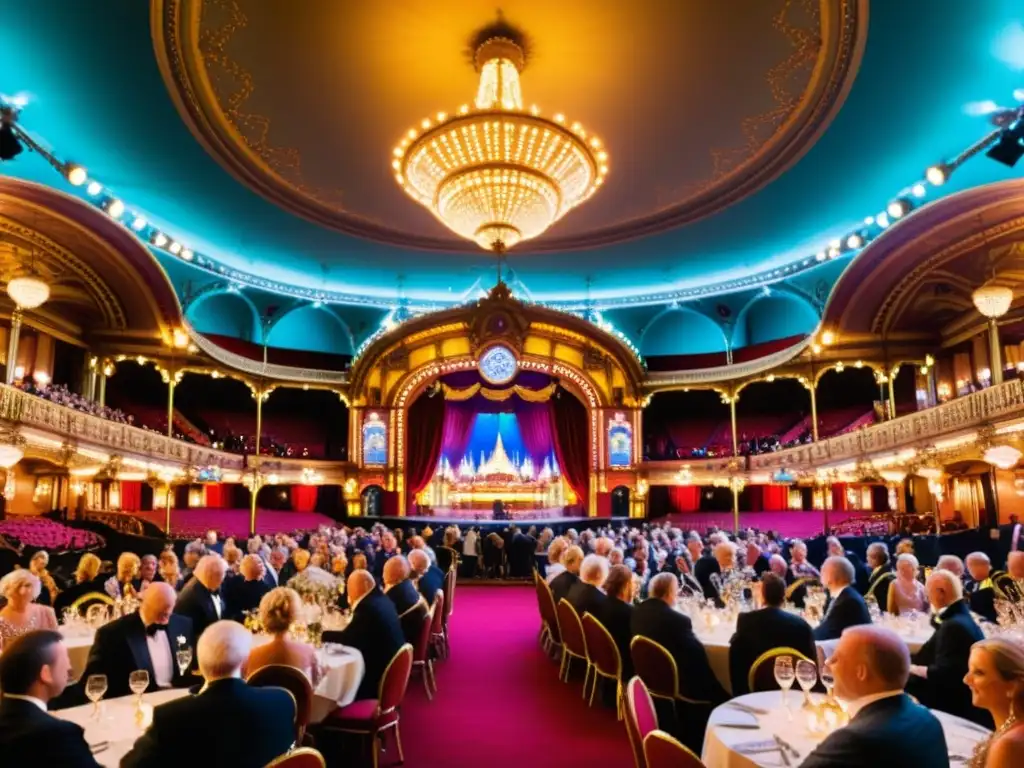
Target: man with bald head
(870, 666)
(200, 599)
(408, 602)
(1015, 573)
(145, 640)
(374, 630)
(846, 607)
(428, 577)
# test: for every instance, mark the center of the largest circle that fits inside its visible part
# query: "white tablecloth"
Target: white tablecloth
(78, 641)
(720, 743)
(117, 725)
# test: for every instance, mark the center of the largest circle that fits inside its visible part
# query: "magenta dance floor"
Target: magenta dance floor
(791, 523)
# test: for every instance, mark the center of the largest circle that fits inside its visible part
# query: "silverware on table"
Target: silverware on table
(786, 746)
(742, 726)
(99, 746)
(746, 708)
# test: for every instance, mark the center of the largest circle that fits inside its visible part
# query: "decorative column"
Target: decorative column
(105, 373)
(814, 408)
(27, 293)
(893, 373)
(993, 301)
(171, 382)
(732, 418)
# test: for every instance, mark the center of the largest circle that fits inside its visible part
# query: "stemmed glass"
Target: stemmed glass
(138, 682)
(95, 687)
(827, 679)
(184, 658)
(807, 676)
(784, 676)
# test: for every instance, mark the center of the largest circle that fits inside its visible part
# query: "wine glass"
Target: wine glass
(807, 676)
(138, 682)
(184, 658)
(827, 678)
(784, 676)
(95, 687)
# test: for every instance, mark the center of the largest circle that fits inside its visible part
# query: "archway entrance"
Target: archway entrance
(620, 501)
(372, 501)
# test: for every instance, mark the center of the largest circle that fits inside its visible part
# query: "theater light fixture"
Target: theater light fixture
(28, 292)
(1002, 456)
(10, 455)
(75, 174)
(992, 300)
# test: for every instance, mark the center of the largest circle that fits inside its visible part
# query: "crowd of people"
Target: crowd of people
(62, 395)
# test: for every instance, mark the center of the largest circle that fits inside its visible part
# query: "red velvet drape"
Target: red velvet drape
(216, 496)
(572, 442)
(839, 497)
(684, 498)
(423, 445)
(303, 498)
(776, 498)
(131, 495)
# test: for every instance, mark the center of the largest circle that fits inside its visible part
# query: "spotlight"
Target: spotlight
(1008, 150)
(10, 144)
(174, 247)
(854, 241)
(159, 239)
(898, 208)
(187, 254)
(76, 174)
(94, 188)
(919, 190)
(819, 256)
(937, 175)
(115, 208)
(138, 223)
(882, 219)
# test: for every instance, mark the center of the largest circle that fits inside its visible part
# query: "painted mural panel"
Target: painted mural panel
(375, 440)
(620, 441)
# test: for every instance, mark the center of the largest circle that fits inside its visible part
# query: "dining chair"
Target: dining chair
(437, 626)
(574, 641)
(293, 680)
(604, 658)
(374, 717)
(449, 608)
(421, 657)
(640, 716)
(664, 751)
(303, 757)
(552, 641)
(762, 672)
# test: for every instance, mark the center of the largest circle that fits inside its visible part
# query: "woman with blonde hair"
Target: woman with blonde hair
(87, 579)
(120, 584)
(995, 675)
(169, 570)
(279, 609)
(38, 563)
(21, 614)
(556, 551)
(906, 593)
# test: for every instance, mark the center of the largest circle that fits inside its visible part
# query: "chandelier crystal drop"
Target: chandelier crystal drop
(498, 173)
(993, 300)
(28, 292)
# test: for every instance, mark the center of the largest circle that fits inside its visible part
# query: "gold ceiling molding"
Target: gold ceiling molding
(192, 42)
(541, 395)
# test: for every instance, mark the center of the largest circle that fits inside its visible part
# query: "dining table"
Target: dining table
(758, 731)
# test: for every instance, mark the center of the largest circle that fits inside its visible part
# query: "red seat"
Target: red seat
(449, 609)
(574, 641)
(304, 757)
(294, 681)
(603, 655)
(371, 717)
(663, 751)
(422, 653)
(437, 625)
(641, 718)
(551, 638)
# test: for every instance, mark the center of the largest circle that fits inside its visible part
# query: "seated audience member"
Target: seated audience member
(1015, 568)
(706, 565)
(211, 543)
(757, 559)
(940, 665)
(561, 584)
(881, 574)
(34, 669)
(146, 639)
(995, 677)
(388, 549)
(982, 588)
(279, 609)
(275, 562)
(616, 614)
(38, 566)
(169, 570)
(906, 593)
(847, 607)
(123, 583)
(86, 581)
(243, 594)
(770, 627)
(147, 573)
(408, 602)
(799, 566)
(870, 666)
(228, 722)
(428, 577)
(556, 551)
(374, 630)
(22, 614)
(953, 564)
(200, 599)
(836, 549)
(586, 595)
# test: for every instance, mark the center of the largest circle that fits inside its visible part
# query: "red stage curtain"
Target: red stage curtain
(684, 498)
(131, 495)
(216, 496)
(775, 498)
(839, 497)
(423, 445)
(604, 505)
(572, 442)
(303, 498)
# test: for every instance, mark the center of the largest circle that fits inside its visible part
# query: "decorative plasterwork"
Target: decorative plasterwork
(656, 382)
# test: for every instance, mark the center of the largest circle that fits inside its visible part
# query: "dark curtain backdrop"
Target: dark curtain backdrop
(423, 445)
(572, 442)
(303, 498)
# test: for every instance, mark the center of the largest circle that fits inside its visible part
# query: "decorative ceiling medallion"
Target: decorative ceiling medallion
(322, 153)
(498, 365)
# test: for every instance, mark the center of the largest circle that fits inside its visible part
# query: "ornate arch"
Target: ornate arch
(224, 289)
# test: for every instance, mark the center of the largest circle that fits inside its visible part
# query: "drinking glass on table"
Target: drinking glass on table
(784, 676)
(807, 676)
(827, 678)
(138, 682)
(95, 687)
(184, 658)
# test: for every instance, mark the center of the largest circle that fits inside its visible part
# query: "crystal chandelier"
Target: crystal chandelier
(1002, 456)
(992, 300)
(497, 173)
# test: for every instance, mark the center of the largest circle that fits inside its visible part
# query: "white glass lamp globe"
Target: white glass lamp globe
(28, 292)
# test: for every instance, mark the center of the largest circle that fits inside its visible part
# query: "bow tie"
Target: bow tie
(215, 593)
(152, 629)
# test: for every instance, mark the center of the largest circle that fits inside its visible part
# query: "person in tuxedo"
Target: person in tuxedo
(705, 566)
(275, 562)
(146, 639)
(200, 599)
(562, 583)
(521, 549)
(409, 603)
(374, 630)
(984, 586)
(616, 614)
(846, 607)
(1014, 576)
(212, 544)
(764, 629)
(239, 725)
(586, 595)
(244, 592)
(34, 669)
(881, 574)
(388, 549)
(939, 666)
(428, 577)
(861, 575)
(887, 728)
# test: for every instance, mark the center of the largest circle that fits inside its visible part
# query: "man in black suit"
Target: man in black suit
(656, 618)
(243, 594)
(521, 551)
(847, 607)
(34, 669)
(757, 559)
(615, 613)
(836, 549)
(702, 570)
(200, 599)
(388, 549)
(239, 725)
(409, 603)
(562, 583)
(147, 639)
(886, 728)
(374, 630)
(984, 586)
(428, 577)
(939, 666)
(881, 574)
(760, 631)
(275, 562)
(586, 595)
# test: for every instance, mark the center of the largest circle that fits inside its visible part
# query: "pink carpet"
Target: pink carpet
(793, 523)
(499, 703)
(191, 523)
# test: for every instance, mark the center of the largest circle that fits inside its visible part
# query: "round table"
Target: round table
(78, 641)
(723, 746)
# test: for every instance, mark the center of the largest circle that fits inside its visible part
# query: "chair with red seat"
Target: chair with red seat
(293, 680)
(551, 638)
(422, 659)
(372, 717)
(449, 607)
(603, 655)
(574, 641)
(304, 757)
(663, 751)
(437, 626)
(641, 718)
